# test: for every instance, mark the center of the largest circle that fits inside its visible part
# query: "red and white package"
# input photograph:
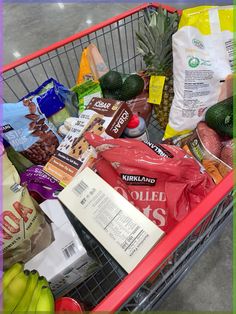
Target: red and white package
(162, 181)
(227, 152)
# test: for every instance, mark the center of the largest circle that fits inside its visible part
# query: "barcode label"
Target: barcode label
(230, 49)
(15, 188)
(69, 250)
(81, 187)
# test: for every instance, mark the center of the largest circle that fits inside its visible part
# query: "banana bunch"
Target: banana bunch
(25, 291)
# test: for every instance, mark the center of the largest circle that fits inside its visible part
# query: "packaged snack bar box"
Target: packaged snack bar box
(105, 117)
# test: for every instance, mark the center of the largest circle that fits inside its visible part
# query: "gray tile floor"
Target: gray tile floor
(29, 27)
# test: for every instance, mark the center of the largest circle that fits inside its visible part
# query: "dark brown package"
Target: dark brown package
(139, 105)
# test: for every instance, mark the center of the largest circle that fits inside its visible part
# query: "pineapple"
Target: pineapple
(155, 44)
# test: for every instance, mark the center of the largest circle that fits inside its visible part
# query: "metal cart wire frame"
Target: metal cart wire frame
(111, 289)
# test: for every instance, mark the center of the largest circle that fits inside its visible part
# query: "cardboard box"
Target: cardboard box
(105, 117)
(65, 262)
(126, 233)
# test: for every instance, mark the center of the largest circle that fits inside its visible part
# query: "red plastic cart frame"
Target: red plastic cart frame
(119, 295)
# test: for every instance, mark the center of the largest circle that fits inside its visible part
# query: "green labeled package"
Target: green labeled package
(85, 92)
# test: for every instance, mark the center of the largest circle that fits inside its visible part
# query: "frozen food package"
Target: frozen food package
(203, 65)
(55, 101)
(28, 131)
(26, 231)
(162, 181)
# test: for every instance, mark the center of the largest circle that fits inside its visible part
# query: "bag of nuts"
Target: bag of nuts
(26, 231)
(28, 131)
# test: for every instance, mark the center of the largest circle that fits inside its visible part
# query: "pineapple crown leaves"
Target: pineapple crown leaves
(155, 39)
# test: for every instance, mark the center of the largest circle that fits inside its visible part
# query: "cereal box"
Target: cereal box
(105, 117)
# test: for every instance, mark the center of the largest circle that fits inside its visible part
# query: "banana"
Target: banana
(9, 274)
(35, 297)
(14, 291)
(46, 301)
(29, 290)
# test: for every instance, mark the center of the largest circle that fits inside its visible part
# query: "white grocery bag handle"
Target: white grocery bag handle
(214, 21)
(214, 18)
(216, 33)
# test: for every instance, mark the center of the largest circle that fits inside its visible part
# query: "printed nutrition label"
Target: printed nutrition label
(230, 48)
(123, 230)
(196, 88)
(119, 226)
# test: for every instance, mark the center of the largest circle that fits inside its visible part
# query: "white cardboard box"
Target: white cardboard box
(65, 262)
(126, 233)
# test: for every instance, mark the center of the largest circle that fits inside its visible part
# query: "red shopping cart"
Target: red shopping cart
(110, 288)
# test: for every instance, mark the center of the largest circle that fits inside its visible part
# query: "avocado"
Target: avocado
(111, 94)
(219, 117)
(112, 80)
(124, 76)
(132, 87)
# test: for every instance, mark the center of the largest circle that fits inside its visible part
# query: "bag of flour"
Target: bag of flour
(202, 65)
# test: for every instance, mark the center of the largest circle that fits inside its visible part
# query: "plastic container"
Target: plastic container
(136, 129)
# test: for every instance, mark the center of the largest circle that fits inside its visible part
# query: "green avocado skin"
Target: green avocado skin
(121, 86)
(111, 81)
(219, 117)
(111, 94)
(132, 87)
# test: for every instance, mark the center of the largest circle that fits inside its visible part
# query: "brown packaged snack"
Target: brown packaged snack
(139, 105)
(105, 117)
(25, 229)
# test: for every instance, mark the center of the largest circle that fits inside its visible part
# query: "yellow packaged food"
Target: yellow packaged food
(92, 65)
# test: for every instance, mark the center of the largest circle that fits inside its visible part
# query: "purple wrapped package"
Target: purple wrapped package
(40, 185)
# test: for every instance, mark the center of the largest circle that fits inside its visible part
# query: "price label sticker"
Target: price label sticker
(156, 89)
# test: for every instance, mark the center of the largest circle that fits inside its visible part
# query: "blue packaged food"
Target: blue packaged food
(28, 131)
(52, 97)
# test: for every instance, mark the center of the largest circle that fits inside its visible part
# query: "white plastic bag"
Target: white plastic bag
(202, 65)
